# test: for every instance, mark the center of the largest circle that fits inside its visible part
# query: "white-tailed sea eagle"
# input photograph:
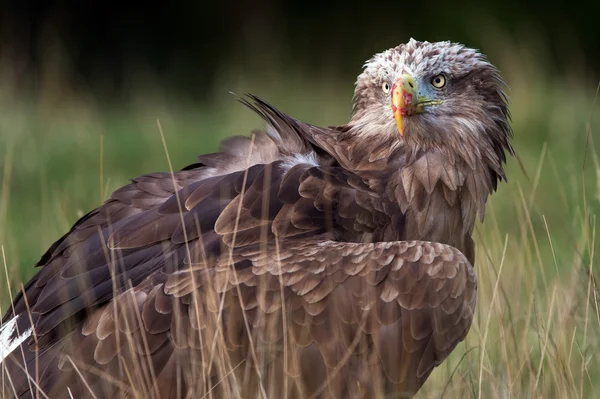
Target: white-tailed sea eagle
(300, 261)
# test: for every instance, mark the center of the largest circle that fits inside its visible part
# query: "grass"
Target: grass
(537, 328)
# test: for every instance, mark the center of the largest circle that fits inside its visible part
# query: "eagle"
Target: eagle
(298, 261)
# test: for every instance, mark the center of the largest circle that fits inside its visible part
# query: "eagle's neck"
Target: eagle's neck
(440, 196)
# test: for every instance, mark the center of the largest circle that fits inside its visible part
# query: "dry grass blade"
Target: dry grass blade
(487, 323)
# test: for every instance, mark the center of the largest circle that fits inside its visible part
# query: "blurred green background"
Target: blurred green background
(82, 85)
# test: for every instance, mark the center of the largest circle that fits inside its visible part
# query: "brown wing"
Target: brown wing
(312, 318)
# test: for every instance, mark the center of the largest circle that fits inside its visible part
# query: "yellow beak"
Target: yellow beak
(404, 100)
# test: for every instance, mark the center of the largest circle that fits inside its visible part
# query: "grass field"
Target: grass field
(537, 329)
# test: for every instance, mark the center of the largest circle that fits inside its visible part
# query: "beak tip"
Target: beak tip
(399, 123)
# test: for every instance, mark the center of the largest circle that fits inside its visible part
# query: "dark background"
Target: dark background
(184, 44)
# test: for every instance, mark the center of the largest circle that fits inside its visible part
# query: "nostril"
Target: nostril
(411, 85)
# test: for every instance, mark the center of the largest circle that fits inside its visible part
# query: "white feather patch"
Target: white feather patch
(309, 158)
(7, 343)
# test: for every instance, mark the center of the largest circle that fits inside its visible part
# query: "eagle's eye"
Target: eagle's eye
(385, 87)
(438, 81)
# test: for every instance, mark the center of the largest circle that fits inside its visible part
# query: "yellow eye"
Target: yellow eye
(385, 87)
(438, 81)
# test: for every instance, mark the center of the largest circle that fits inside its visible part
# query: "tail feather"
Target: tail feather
(10, 338)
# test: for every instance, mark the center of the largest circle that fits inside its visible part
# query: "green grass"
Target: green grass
(536, 332)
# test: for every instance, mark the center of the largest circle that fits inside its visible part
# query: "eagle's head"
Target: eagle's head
(442, 95)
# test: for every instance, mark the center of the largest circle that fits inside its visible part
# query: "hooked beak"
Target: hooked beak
(405, 100)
